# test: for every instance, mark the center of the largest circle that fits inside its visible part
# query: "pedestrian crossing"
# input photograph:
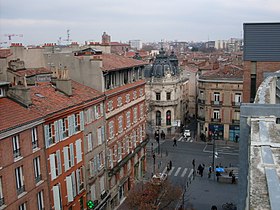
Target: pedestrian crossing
(188, 139)
(179, 172)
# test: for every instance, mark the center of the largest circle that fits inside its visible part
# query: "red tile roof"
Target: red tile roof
(47, 100)
(118, 44)
(13, 114)
(113, 62)
(228, 72)
(4, 53)
(33, 71)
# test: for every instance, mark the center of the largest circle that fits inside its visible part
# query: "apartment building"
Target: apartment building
(23, 174)
(219, 100)
(261, 55)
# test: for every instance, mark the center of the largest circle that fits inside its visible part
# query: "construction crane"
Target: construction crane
(68, 37)
(11, 35)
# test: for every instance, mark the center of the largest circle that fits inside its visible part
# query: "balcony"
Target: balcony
(235, 121)
(235, 103)
(216, 120)
(2, 202)
(216, 103)
(16, 153)
(201, 101)
(164, 103)
(201, 118)
(38, 178)
(20, 190)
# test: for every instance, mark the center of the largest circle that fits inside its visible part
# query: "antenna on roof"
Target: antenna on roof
(68, 37)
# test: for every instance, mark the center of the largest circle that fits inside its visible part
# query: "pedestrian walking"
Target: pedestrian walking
(193, 163)
(209, 172)
(174, 142)
(233, 179)
(170, 164)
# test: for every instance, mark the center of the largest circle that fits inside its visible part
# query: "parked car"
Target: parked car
(159, 178)
(187, 133)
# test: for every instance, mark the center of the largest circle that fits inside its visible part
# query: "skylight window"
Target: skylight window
(39, 95)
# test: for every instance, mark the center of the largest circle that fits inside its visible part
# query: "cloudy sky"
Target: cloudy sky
(43, 21)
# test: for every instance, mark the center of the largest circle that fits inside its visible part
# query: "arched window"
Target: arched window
(158, 118)
(168, 117)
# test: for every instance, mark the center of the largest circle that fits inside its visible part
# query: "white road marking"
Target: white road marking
(165, 169)
(184, 172)
(178, 170)
(181, 138)
(190, 173)
(170, 172)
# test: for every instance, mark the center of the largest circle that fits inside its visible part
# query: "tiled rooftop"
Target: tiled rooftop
(13, 114)
(228, 72)
(47, 100)
(113, 62)
(4, 53)
(33, 71)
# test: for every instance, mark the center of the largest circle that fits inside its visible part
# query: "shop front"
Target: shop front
(234, 133)
(217, 130)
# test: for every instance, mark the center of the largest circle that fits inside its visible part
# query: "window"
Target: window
(201, 94)
(127, 98)
(120, 125)
(92, 192)
(110, 158)
(216, 114)
(79, 151)
(64, 129)
(128, 119)
(55, 164)
(98, 110)
(16, 149)
(37, 170)
(158, 96)
(111, 129)
(19, 180)
(141, 92)
(110, 105)
(134, 139)
(49, 135)
(141, 111)
(100, 160)
(168, 96)
(22, 206)
(141, 134)
(57, 197)
(119, 151)
(102, 184)
(80, 179)
(71, 187)
(93, 166)
(135, 114)
(216, 97)
(34, 138)
(237, 98)
(158, 118)
(40, 200)
(134, 94)
(168, 117)
(1, 92)
(66, 155)
(236, 115)
(100, 135)
(119, 101)
(1, 193)
(89, 141)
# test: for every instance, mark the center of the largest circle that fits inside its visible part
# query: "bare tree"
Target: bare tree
(151, 196)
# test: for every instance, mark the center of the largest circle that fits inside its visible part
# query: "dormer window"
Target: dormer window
(2, 92)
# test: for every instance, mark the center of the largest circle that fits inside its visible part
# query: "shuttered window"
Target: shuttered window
(57, 197)
(79, 150)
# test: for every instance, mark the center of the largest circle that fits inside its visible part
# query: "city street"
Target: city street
(202, 192)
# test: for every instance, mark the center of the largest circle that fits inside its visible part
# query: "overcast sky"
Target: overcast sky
(43, 21)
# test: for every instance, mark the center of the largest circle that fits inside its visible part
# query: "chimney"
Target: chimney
(63, 82)
(20, 93)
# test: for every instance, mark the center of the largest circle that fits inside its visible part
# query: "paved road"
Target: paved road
(202, 192)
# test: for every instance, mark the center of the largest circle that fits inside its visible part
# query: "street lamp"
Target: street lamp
(214, 135)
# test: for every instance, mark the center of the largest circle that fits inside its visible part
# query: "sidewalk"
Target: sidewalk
(161, 158)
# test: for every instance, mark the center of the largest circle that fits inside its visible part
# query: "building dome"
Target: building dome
(164, 65)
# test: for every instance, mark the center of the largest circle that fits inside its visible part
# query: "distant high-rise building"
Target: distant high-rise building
(136, 44)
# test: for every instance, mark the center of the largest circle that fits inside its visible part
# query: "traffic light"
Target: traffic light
(90, 204)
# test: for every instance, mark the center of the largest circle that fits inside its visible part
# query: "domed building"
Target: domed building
(167, 92)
